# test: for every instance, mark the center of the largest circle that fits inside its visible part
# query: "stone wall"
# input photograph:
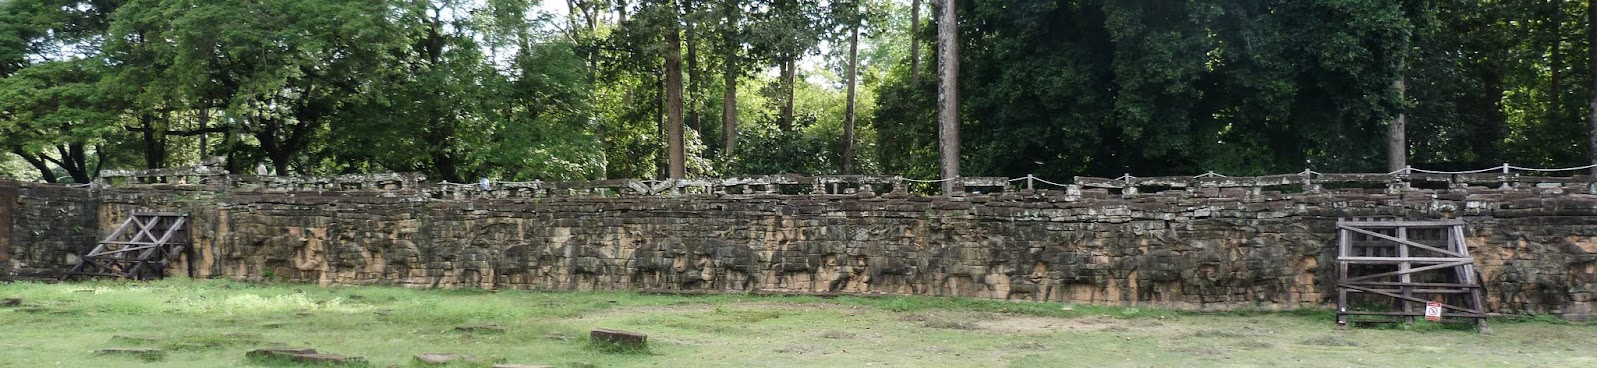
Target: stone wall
(1193, 249)
(8, 201)
(43, 228)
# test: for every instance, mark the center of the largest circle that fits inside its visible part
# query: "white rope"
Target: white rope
(1128, 178)
(1494, 169)
(496, 182)
(1052, 183)
(1552, 170)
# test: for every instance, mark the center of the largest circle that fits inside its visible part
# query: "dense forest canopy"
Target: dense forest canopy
(506, 89)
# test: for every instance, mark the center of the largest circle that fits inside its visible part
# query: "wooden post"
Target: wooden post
(1403, 275)
(1342, 250)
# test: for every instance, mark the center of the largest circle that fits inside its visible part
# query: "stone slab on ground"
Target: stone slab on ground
(618, 338)
(302, 355)
(324, 358)
(278, 352)
(10, 302)
(443, 358)
(147, 354)
(135, 339)
(482, 329)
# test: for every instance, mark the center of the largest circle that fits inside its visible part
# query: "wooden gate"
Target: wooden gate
(1395, 268)
(139, 249)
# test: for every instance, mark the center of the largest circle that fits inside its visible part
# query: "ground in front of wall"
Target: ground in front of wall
(216, 323)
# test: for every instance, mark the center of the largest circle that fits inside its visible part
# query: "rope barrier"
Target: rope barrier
(1128, 178)
(535, 182)
(1454, 172)
(1553, 170)
(1052, 183)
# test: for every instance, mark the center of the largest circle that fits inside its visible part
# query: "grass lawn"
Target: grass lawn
(211, 323)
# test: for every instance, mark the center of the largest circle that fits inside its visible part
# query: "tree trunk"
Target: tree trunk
(673, 105)
(1396, 141)
(205, 119)
(38, 164)
(1557, 57)
(729, 100)
(440, 138)
(279, 163)
(75, 161)
(788, 89)
(662, 163)
(694, 98)
(1591, 69)
(848, 111)
(948, 97)
(154, 142)
(914, 42)
(1496, 124)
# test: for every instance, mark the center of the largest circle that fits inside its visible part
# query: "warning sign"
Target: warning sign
(1433, 311)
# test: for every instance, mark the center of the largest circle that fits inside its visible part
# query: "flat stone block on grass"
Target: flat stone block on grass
(443, 358)
(146, 354)
(618, 338)
(481, 329)
(134, 339)
(303, 355)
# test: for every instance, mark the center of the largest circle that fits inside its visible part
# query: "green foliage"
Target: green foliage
(1146, 88)
(462, 89)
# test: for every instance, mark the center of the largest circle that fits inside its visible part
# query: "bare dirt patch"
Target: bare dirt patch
(1038, 325)
(652, 309)
(708, 308)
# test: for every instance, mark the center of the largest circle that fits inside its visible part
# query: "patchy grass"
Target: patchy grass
(213, 323)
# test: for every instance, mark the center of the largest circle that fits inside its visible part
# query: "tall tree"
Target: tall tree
(55, 113)
(1396, 143)
(673, 85)
(51, 114)
(785, 31)
(948, 93)
(914, 41)
(731, 44)
(853, 80)
(285, 68)
(1591, 72)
